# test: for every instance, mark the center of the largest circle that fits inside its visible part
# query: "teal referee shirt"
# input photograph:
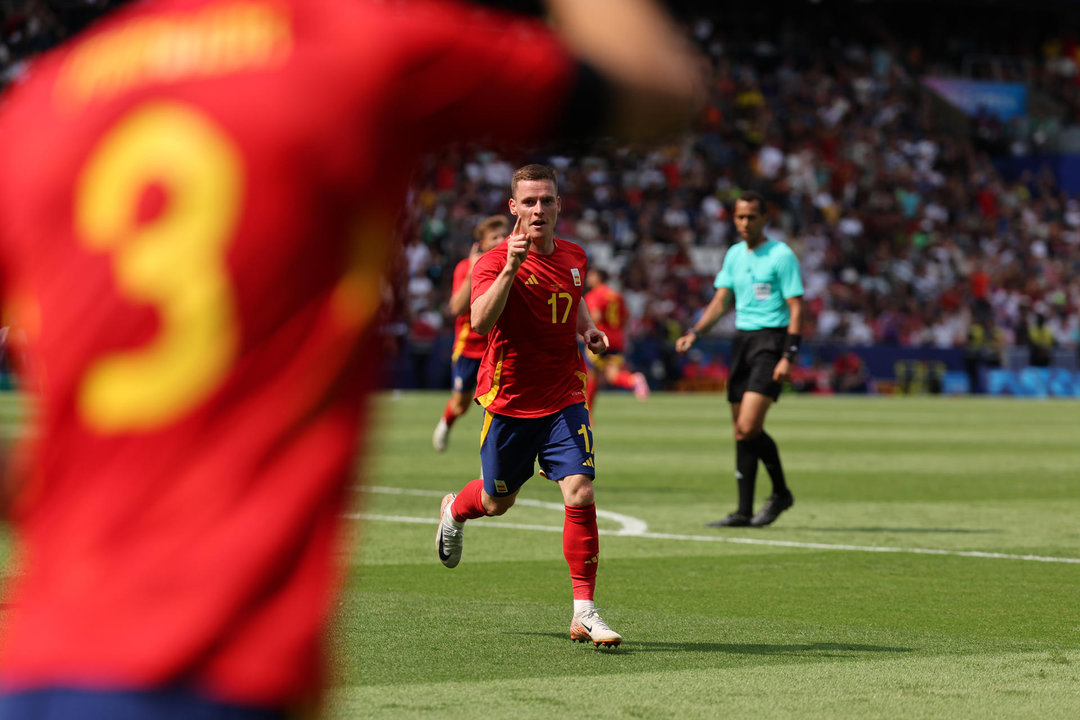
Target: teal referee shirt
(762, 280)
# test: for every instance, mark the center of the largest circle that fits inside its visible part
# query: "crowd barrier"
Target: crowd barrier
(892, 370)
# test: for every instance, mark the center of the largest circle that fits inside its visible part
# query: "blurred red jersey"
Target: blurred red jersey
(196, 197)
(466, 342)
(609, 302)
(532, 366)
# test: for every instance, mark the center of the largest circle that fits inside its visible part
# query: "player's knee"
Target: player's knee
(746, 431)
(496, 505)
(578, 491)
(460, 403)
(583, 498)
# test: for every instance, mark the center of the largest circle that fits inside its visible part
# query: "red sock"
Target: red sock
(625, 379)
(448, 415)
(468, 505)
(581, 548)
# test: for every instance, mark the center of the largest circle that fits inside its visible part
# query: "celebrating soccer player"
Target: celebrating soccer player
(527, 295)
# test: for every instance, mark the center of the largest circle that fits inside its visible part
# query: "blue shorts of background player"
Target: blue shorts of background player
(463, 374)
(562, 443)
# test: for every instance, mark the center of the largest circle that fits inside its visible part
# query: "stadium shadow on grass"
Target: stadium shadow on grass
(805, 649)
(956, 531)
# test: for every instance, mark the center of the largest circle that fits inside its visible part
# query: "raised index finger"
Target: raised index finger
(519, 228)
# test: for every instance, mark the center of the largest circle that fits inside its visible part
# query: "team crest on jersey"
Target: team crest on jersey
(577, 277)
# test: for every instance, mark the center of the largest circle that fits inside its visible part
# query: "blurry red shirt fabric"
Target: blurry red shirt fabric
(613, 315)
(467, 343)
(532, 366)
(196, 198)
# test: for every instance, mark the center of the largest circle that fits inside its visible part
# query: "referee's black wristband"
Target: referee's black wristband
(791, 345)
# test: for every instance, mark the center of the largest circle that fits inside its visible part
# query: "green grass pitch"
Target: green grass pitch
(929, 569)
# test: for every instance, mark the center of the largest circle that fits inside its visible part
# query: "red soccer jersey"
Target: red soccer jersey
(195, 200)
(532, 366)
(466, 342)
(613, 315)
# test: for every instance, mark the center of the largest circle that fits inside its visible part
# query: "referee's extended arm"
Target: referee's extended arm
(717, 307)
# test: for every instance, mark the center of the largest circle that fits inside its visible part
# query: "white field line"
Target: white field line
(630, 525)
(634, 527)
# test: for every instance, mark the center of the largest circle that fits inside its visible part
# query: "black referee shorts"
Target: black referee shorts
(754, 355)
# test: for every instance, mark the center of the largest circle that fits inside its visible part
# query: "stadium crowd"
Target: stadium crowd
(907, 232)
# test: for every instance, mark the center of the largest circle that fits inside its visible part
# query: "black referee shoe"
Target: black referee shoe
(772, 508)
(735, 519)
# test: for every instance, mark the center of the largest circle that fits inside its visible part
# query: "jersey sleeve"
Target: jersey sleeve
(724, 278)
(787, 268)
(461, 272)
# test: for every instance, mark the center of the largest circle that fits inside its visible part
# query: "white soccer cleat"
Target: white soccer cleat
(588, 626)
(441, 436)
(641, 387)
(448, 536)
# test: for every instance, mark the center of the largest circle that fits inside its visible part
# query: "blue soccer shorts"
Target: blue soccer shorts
(562, 443)
(160, 704)
(463, 374)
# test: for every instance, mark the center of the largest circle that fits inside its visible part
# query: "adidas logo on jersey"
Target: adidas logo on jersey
(532, 280)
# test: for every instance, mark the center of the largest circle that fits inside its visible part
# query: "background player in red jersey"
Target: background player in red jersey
(527, 295)
(196, 200)
(608, 311)
(468, 345)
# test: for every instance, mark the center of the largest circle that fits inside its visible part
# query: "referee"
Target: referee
(763, 276)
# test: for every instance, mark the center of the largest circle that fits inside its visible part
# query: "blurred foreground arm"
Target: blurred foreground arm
(657, 77)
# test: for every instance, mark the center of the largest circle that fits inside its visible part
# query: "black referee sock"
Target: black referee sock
(765, 448)
(746, 461)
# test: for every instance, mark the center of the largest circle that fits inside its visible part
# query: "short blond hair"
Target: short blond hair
(495, 222)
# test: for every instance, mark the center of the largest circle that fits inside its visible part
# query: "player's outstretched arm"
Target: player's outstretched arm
(716, 309)
(487, 308)
(658, 78)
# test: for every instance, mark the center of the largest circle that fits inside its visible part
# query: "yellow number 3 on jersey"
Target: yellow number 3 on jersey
(174, 261)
